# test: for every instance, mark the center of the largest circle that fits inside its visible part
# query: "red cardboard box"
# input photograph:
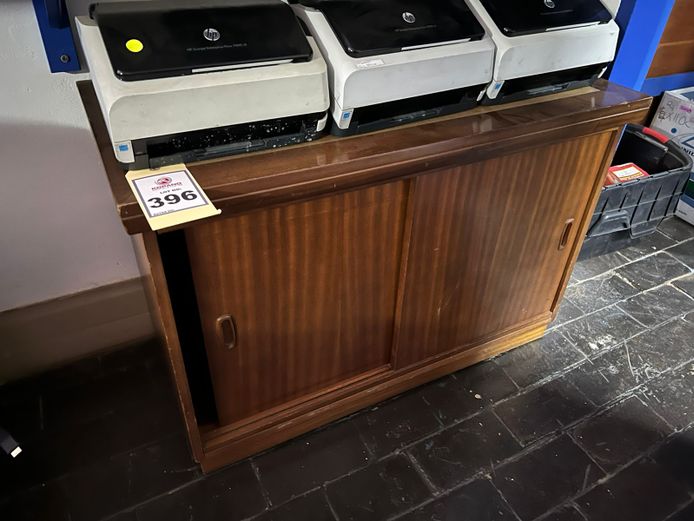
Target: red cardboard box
(622, 173)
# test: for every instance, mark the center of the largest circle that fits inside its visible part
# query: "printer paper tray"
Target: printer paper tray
(400, 112)
(548, 83)
(229, 140)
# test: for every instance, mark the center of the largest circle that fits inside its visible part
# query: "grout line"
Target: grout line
(590, 458)
(645, 454)
(609, 475)
(551, 376)
(680, 290)
(678, 243)
(652, 254)
(459, 421)
(578, 509)
(263, 490)
(432, 434)
(552, 511)
(620, 254)
(427, 481)
(506, 502)
(369, 450)
(503, 369)
(675, 258)
(610, 348)
(134, 507)
(481, 474)
(676, 512)
(508, 429)
(330, 505)
(275, 507)
(627, 263)
(599, 411)
(641, 396)
(620, 308)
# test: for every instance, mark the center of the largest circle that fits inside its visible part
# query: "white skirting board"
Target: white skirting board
(52, 333)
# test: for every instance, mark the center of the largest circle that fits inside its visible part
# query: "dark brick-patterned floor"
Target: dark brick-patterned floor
(593, 422)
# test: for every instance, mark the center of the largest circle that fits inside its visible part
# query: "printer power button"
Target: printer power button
(134, 45)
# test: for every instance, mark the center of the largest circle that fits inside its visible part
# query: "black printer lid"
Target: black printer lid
(369, 27)
(160, 38)
(517, 17)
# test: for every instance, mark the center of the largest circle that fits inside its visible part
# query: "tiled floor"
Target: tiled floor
(593, 422)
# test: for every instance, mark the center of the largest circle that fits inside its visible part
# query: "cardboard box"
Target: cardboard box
(675, 117)
(618, 174)
(685, 209)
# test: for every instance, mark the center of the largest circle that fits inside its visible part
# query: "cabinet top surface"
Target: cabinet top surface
(329, 165)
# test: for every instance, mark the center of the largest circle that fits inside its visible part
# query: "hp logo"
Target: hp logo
(550, 4)
(408, 17)
(212, 35)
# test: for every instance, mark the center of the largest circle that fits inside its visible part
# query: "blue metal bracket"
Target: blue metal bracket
(56, 33)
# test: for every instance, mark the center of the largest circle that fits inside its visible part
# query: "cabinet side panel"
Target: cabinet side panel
(150, 262)
(311, 289)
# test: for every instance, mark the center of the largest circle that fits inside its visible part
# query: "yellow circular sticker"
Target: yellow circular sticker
(134, 45)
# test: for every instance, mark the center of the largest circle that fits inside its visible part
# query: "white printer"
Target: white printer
(181, 81)
(545, 46)
(395, 61)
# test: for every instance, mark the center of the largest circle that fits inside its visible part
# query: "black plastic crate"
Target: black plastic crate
(628, 211)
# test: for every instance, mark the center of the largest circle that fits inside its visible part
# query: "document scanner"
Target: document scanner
(545, 46)
(396, 61)
(179, 81)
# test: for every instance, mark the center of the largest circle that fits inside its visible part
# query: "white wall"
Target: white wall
(59, 232)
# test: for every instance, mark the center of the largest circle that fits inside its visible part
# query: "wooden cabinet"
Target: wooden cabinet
(298, 299)
(346, 271)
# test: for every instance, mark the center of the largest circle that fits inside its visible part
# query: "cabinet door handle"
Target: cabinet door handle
(568, 225)
(226, 331)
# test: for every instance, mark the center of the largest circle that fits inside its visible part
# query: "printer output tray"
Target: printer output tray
(518, 17)
(199, 145)
(399, 112)
(182, 38)
(371, 27)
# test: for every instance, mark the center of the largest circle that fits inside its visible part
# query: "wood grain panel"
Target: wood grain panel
(679, 25)
(312, 290)
(675, 53)
(672, 58)
(485, 251)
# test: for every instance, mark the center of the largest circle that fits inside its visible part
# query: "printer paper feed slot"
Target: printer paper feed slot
(385, 115)
(225, 141)
(548, 83)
